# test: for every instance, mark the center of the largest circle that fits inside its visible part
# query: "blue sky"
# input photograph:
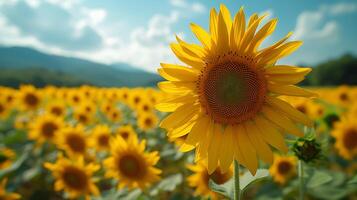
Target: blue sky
(139, 33)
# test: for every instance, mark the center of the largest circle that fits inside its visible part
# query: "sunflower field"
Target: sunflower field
(229, 123)
(105, 143)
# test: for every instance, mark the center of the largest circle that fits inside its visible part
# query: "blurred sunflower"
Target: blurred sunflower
(4, 195)
(115, 115)
(126, 132)
(135, 98)
(200, 179)
(4, 110)
(82, 116)
(7, 156)
(147, 121)
(100, 137)
(29, 97)
(345, 133)
(56, 108)
(74, 177)
(145, 106)
(75, 98)
(73, 140)
(227, 100)
(130, 164)
(283, 168)
(45, 128)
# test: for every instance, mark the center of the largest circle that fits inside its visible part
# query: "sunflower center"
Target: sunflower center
(131, 167)
(350, 139)
(284, 167)
(75, 178)
(2, 108)
(76, 143)
(82, 118)
(302, 108)
(49, 129)
(56, 111)
(231, 92)
(103, 140)
(343, 96)
(31, 99)
(3, 158)
(218, 177)
(124, 135)
(148, 122)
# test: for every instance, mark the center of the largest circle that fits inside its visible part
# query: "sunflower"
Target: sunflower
(82, 116)
(56, 108)
(345, 133)
(283, 168)
(147, 121)
(4, 110)
(29, 97)
(6, 195)
(45, 128)
(100, 137)
(126, 132)
(115, 115)
(200, 179)
(130, 164)
(73, 140)
(227, 98)
(145, 106)
(74, 176)
(7, 156)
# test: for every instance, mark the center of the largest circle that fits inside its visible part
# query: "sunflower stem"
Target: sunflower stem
(301, 179)
(236, 181)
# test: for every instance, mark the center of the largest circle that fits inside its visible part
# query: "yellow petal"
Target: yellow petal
(191, 49)
(247, 150)
(186, 148)
(223, 37)
(290, 90)
(213, 25)
(182, 115)
(198, 130)
(287, 70)
(179, 73)
(227, 150)
(176, 87)
(248, 36)
(214, 148)
(290, 79)
(238, 29)
(281, 121)
(271, 134)
(279, 52)
(264, 32)
(205, 140)
(186, 58)
(289, 110)
(171, 104)
(201, 35)
(183, 129)
(226, 16)
(263, 150)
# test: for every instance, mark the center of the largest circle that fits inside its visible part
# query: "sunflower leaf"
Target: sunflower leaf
(17, 164)
(318, 178)
(167, 184)
(225, 189)
(353, 181)
(248, 179)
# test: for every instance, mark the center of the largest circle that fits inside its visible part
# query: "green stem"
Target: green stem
(236, 181)
(301, 179)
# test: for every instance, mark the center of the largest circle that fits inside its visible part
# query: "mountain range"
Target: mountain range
(21, 59)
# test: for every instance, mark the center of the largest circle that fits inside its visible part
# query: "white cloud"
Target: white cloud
(184, 4)
(316, 25)
(63, 27)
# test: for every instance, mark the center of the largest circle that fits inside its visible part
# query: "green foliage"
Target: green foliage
(340, 71)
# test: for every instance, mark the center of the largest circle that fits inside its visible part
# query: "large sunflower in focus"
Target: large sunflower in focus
(227, 99)
(130, 164)
(74, 177)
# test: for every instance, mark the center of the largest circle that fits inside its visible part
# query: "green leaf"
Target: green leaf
(353, 180)
(133, 195)
(248, 179)
(167, 184)
(225, 189)
(15, 137)
(17, 164)
(318, 178)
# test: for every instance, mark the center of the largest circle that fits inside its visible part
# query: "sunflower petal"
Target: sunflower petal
(179, 73)
(227, 151)
(182, 115)
(247, 150)
(213, 25)
(289, 110)
(264, 32)
(281, 121)
(191, 49)
(198, 130)
(214, 148)
(186, 58)
(223, 37)
(290, 90)
(201, 35)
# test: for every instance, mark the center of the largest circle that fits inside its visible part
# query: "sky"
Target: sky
(138, 32)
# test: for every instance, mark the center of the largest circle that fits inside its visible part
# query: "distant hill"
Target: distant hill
(17, 59)
(339, 71)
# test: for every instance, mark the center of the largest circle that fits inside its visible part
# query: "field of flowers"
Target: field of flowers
(105, 143)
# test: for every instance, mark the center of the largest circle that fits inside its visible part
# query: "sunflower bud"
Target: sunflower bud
(307, 149)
